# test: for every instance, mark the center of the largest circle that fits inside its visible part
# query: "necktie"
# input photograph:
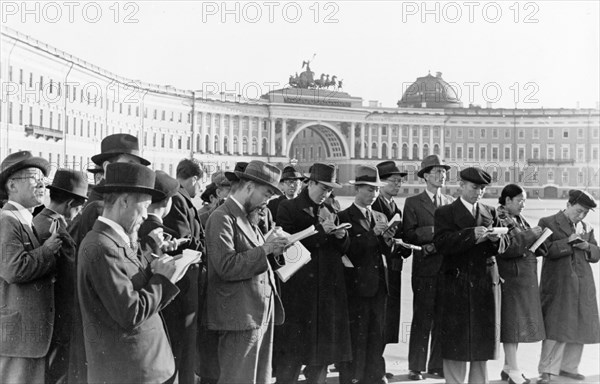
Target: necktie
(474, 213)
(435, 201)
(368, 216)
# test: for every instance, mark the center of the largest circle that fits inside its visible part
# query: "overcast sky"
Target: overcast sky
(538, 54)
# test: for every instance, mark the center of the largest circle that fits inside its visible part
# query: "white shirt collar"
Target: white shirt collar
(431, 195)
(26, 213)
(120, 231)
(363, 210)
(467, 205)
(238, 203)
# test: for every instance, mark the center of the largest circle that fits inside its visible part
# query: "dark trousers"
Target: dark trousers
(425, 323)
(180, 318)
(288, 372)
(367, 335)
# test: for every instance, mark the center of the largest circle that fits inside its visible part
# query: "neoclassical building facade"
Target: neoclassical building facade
(60, 107)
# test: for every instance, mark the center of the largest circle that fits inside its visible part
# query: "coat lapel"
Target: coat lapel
(427, 203)
(114, 236)
(242, 222)
(356, 216)
(563, 223)
(485, 216)
(463, 218)
(35, 242)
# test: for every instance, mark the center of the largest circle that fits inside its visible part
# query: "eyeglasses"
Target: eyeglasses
(395, 181)
(36, 179)
(291, 182)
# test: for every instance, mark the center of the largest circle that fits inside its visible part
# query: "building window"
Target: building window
(536, 133)
(482, 153)
(507, 176)
(565, 178)
(521, 134)
(471, 133)
(425, 150)
(580, 180)
(495, 133)
(459, 133)
(50, 120)
(495, 153)
(384, 131)
(565, 152)
(565, 133)
(471, 153)
(459, 153)
(483, 133)
(535, 153)
(404, 151)
(580, 154)
(415, 154)
(580, 133)
(507, 156)
(20, 114)
(551, 133)
(41, 117)
(595, 153)
(394, 150)
(10, 114)
(426, 132)
(521, 153)
(595, 133)
(447, 152)
(550, 152)
(162, 115)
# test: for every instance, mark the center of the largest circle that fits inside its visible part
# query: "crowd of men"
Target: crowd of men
(93, 288)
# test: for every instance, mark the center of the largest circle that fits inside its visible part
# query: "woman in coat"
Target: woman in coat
(521, 309)
(567, 289)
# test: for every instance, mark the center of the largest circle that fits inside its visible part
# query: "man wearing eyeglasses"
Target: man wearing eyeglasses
(291, 183)
(26, 272)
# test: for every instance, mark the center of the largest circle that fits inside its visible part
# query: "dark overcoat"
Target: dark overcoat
(26, 288)
(567, 287)
(395, 260)
(471, 295)
(316, 329)
(418, 229)
(125, 340)
(521, 318)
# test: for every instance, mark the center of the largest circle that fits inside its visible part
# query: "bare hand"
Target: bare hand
(276, 246)
(328, 226)
(379, 227)
(53, 243)
(164, 266)
(339, 233)
(168, 245)
(537, 230)
(480, 233)
(573, 237)
(584, 246)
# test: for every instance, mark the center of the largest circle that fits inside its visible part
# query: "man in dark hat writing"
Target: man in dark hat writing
(366, 280)
(471, 295)
(68, 192)
(119, 293)
(317, 331)
(567, 289)
(418, 228)
(242, 300)
(27, 268)
(291, 183)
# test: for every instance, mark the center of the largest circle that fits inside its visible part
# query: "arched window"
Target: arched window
(235, 145)
(216, 144)
(265, 147)
(225, 145)
(198, 143)
(404, 151)
(394, 151)
(384, 154)
(254, 146)
(425, 150)
(374, 150)
(245, 145)
(207, 143)
(415, 153)
(436, 149)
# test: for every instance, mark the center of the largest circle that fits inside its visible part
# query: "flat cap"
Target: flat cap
(220, 180)
(476, 175)
(583, 198)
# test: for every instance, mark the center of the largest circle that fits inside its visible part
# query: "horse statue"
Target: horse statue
(320, 83)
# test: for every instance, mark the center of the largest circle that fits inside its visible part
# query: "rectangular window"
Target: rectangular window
(551, 133)
(471, 133)
(507, 156)
(495, 153)
(471, 153)
(565, 133)
(20, 114)
(459, 154)
(482, 153)
(506, 177)
(536, 133)
(495, 133)
(50, 120)
(459, 133)
(521, 153)
(10, 108)
(580, 133)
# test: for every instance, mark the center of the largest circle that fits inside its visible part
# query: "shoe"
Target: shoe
(525, 381)
(415, 375)
(544, 379)
(439, 372)
(504, 375)
(389, 375)
(574, 376)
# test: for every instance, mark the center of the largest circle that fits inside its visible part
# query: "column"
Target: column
(284, 151)
(352, 140)
(410, 142)
(259, 137)
(379, 140)
(431, 141)
(202, 130)
(230, 138)
(272, 137)
(420, 142)
(369, 141)
(240, 148)
(222, 134)
(362, 140)
(443, 144)
(389, 147)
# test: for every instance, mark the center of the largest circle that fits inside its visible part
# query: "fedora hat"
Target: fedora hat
(429, 162)
(220, 180)
(72, 182)
(389, 168)
(240, 166)
(20, 160)
(118, 144)
(96, 169)
(291, 173)
(262, 173)
(165, 184)
(367, 175)
(325, 174)
(130, 177)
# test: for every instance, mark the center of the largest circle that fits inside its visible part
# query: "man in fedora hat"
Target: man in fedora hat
(418, 228)
(392, 176)
(216, 194)
(68, 192)
(567, 289)
(242, 300)
(366, 280)
(291, 182)
(116, 148)
(181, 315)
(119, 293)
(27, 269)
(317, 331)
(471, 294)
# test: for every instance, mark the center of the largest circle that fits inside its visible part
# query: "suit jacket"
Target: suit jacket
(471, 295)
(64, 286)
(366, 253)
(418, 228)
(394, 259)
(183, 219)
(567, 287)
(26, 289)
(240, 280)
(120, 298)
